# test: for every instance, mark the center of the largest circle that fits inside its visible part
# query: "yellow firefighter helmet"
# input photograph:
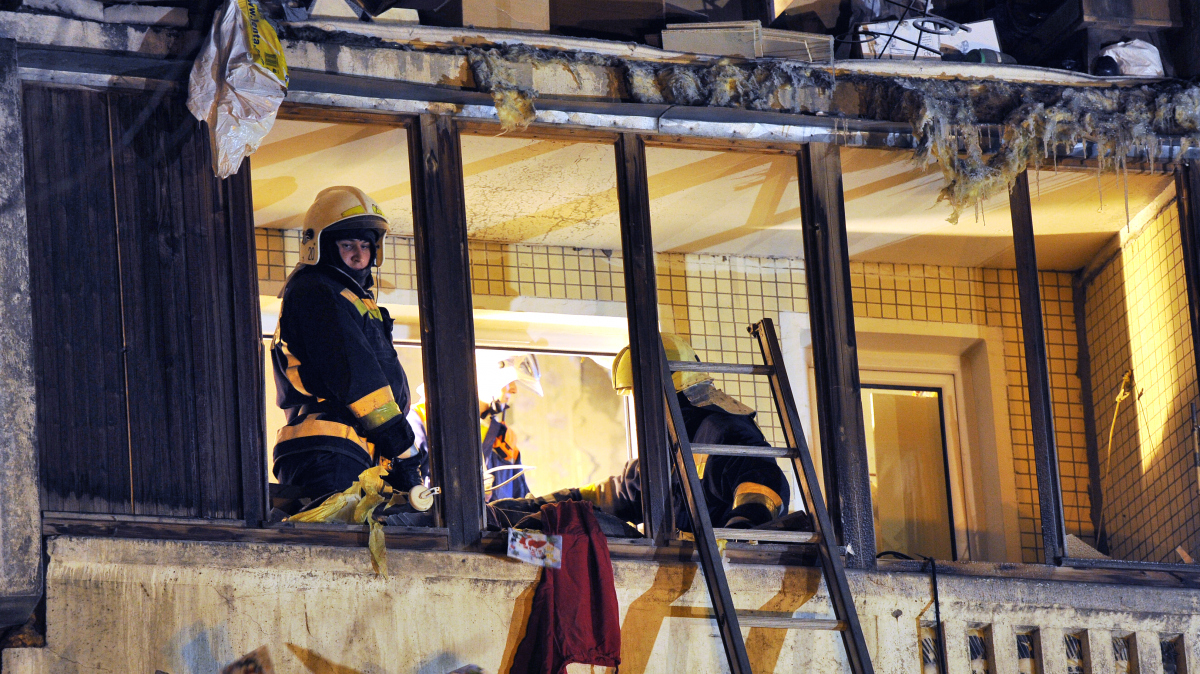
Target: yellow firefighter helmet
(340, 208)
(677, 348)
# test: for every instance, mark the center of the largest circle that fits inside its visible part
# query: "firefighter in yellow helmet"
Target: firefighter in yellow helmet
(337, 376)
(740, 491)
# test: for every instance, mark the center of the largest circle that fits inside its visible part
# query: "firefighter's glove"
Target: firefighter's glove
(392, 440)
(406, 470)
(748, 516)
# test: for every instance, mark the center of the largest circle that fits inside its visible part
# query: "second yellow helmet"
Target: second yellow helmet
(677, 348)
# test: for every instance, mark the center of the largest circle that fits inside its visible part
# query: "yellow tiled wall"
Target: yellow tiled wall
(555, 272)
(1137, 319)
(989, 297)
(712, 298)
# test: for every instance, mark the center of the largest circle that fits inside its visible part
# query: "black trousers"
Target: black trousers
(318, 472)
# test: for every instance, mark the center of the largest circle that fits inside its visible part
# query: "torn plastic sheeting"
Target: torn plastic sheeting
(1136, 58)
(237, 83)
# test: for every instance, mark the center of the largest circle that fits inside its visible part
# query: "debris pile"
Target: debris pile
(763, 84)
(775, 85)
(1027, 124)
(948, 117)
(1033, 121)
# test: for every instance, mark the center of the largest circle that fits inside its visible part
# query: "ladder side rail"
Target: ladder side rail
(793, 434)
(835, 572)
(705, 539)
(718, 368)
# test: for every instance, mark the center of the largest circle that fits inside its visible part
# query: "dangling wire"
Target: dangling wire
(514, 466)
(937, 602)
(1123, 392)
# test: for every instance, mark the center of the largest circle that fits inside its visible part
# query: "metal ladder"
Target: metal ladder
(823, 539)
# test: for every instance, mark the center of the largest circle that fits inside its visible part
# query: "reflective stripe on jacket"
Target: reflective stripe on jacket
(337, 376)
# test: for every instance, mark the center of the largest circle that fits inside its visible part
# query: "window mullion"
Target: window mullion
(641, 297)
(1045, 448)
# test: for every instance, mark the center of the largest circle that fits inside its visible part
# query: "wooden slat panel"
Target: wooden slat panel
(247, 345)
(152, 229)
(82, 430)
(143, 249)
(179, 266)
(210, 297)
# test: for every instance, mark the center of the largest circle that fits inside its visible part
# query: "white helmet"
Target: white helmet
(340, 208)
(493, 376)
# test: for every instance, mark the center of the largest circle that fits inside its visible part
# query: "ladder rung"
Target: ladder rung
(745, 450)
(768, 535)
(720, 368)
(783, 621)
(790, 623)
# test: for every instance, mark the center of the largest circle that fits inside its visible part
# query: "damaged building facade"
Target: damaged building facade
(984, 278)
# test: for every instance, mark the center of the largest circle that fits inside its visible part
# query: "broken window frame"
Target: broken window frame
(433, 145)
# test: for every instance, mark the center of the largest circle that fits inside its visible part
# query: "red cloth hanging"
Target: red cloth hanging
(575, 616)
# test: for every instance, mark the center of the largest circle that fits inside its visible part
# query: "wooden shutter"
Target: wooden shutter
(163, 356)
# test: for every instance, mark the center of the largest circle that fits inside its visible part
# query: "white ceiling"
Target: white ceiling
(559, 193)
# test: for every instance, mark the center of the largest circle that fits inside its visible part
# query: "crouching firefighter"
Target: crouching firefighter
(740, 491)
(337, 376)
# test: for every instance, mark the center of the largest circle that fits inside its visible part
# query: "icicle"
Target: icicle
(1125, 178)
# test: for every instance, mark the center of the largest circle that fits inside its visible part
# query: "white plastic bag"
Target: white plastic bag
(237, 83)
(1136, 58)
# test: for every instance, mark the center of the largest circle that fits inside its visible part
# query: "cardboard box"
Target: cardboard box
(507, 14)
(747, 39)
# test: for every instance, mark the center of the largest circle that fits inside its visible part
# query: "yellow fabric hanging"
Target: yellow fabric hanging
(355, 506)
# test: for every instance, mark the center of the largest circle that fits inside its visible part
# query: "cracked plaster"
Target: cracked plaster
(20, 521)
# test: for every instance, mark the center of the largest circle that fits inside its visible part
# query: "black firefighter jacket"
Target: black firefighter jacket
(337, 376)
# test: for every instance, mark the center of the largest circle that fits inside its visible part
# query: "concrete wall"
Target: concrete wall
(180, 607)
(20, 509)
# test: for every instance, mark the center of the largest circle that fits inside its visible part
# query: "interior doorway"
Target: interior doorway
(909, 469)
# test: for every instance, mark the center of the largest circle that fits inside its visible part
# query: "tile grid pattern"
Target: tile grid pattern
(989, 297)
(712, 298)
(1137, 319)
(556, 272)
(279, 251)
